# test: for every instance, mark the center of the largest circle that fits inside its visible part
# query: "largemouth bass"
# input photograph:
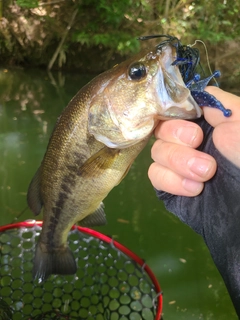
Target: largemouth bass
(95, 141)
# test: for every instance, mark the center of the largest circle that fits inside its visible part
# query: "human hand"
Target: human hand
(178, 167)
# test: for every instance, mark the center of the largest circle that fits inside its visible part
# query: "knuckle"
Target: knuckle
(156, 149)
(173, 155)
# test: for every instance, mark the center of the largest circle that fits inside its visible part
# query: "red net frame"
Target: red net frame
(108, 241)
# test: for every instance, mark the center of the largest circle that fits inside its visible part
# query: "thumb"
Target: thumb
(226, 139)
(214, 116)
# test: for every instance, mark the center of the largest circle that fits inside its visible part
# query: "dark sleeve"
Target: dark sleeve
(215, 215)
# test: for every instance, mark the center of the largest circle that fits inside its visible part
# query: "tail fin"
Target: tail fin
(52, 262)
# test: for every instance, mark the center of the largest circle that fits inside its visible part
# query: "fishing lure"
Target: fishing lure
(188, 59)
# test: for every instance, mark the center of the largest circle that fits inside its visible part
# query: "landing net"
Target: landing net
(111, 282)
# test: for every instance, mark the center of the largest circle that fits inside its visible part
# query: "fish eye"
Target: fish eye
(137, 71)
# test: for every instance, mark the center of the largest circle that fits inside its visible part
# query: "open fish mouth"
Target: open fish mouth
(188, 60)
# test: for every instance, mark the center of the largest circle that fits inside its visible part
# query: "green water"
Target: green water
(30, 102)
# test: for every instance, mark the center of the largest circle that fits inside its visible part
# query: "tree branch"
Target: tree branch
(56, 53)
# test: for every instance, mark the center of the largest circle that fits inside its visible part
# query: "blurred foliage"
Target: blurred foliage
(95, 34)
(27, 3)
(216, 20)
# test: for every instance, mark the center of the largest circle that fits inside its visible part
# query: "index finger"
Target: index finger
(178, 131)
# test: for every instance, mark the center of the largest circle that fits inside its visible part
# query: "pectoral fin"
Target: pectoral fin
(98, 218)
(99, 162)
(33, 196)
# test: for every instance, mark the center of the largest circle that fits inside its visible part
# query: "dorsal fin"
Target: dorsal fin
(97, 218)
(33, 196)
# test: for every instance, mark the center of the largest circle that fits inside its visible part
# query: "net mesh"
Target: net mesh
(108, 284)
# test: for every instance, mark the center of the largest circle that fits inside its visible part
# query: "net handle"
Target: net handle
(109, 240)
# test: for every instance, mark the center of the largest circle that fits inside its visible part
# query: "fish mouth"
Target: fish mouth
(188, 109)
(174, 97)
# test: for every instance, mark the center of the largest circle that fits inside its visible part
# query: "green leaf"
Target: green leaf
(28, 4)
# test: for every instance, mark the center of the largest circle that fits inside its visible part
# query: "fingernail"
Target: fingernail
(187, 134)
(200, 166)
(192, 186)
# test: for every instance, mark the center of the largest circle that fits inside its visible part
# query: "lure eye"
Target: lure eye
(137, 71)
